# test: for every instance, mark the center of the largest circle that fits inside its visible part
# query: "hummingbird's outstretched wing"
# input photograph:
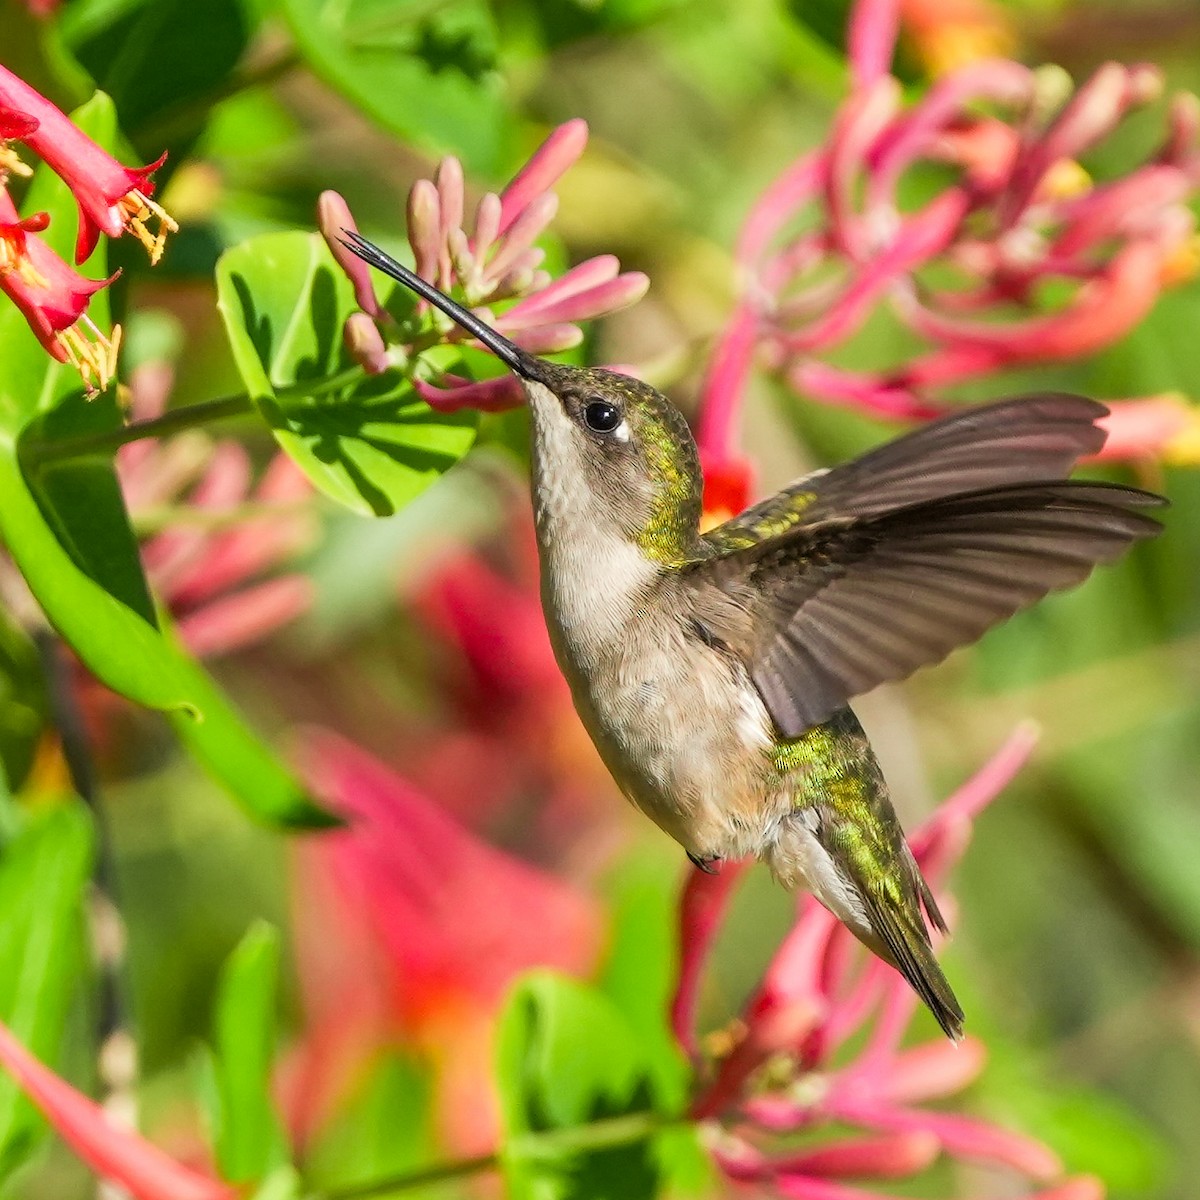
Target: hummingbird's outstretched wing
(1025, 439)
(851, 595)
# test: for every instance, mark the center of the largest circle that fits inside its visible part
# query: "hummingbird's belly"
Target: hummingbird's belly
(686, 736)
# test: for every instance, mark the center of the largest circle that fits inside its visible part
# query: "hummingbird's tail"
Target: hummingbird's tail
(898, 934)
(842, 842)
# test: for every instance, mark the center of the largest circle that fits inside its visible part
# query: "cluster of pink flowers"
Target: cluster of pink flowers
(830, 240)
(783, 1068)
(113, 199)
(222, 530)
(496, 263)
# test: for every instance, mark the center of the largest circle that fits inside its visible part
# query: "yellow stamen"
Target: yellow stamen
(10, 162)
(1065, 180)
(1183, 263)
(1183, 449)
(12, 259)
(95, 359)
(136, 210)
(713, 517)
(956, 45)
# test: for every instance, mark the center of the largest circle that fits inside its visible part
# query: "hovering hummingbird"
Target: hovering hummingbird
(713, 670)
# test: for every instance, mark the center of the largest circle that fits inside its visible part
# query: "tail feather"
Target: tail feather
(903, 941)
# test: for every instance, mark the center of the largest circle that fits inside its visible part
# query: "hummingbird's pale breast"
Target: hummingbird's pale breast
(677, 722)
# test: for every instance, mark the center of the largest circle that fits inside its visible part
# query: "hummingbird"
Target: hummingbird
(713, 671)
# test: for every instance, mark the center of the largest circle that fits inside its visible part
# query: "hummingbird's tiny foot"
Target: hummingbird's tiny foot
(710, 865)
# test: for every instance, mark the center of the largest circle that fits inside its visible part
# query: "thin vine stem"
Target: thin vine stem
(604, 1134)
(191, 416)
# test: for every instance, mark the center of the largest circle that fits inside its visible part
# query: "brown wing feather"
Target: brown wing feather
(833, 609)
(1026, 439)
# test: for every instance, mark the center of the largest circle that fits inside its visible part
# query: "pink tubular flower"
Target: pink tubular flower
(782, 1068)
(208, 571)
(112, 198)
(53, 297)
(115, 1154)
(440, 924)
(1017, 215)
(495, 262)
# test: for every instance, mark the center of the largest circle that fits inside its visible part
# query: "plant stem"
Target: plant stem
(109, 441)
(598, 1135)
(411, 1179)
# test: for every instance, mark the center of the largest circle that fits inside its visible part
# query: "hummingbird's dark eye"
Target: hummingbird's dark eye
(601, 416)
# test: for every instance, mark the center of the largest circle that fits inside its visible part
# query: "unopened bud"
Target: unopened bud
(365, 343)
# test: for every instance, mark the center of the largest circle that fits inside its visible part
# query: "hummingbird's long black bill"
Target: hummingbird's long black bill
(509, 353)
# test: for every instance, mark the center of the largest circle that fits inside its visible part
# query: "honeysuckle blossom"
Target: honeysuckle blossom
(818, 1048)
(53, 297)
(410, 928)
(114, 1153)
(112, 198)
(496, 263)
(966, 271)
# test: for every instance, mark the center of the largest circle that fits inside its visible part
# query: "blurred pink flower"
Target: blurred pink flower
(112, 198)
(818, 1046)
(409, 927)
(497, 261)
(1018, 215)
(114, 1153)
(208, 570)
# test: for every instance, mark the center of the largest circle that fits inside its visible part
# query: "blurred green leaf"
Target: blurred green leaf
(217, 735)
(372, 443)
(642, 960)
(250, 1141)
(161, 61)
(43, 873)
(383, 1128)
(22, 701)
(423, 71)
(566, 1057)
(65, 525)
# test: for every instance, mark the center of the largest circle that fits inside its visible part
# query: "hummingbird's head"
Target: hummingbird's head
(609, 451)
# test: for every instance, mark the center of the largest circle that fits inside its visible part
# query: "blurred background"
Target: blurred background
(417, 639)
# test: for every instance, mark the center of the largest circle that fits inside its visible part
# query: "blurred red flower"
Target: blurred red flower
(409, 929)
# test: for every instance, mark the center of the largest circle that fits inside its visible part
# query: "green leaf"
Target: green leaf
(162, 61)
(65, 525)
(423, 71)
(250, 1142)
(371, 443)
(22, 701)
(639, 973)
(43, 873)
(566, 1058)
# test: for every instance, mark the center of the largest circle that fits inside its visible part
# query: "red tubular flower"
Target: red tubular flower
(112, 198)
(449, 922)
(115, 1154)
(53, 297)
(782, 1067)
(14, 126)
